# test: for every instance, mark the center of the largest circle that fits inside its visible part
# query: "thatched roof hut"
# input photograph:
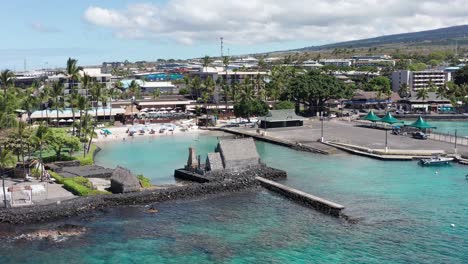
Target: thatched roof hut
(123, 181)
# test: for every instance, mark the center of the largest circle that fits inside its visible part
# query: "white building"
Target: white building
(337, 62)
(163, 87)
(419, 79)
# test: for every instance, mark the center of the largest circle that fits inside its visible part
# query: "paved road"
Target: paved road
(347, 132)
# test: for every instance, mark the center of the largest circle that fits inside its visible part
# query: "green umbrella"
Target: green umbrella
(421, 124)
(389, 119)
(371, 117)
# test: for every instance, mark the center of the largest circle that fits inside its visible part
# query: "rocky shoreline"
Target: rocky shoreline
(82, 205)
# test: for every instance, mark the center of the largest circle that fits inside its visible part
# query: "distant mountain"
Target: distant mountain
(437, 36)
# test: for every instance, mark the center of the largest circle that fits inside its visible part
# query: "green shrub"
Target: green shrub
(78, 185)
(54, 158)
(76, 188)
(83, 181)
(86, 160)
(145, 182)
(58, 178)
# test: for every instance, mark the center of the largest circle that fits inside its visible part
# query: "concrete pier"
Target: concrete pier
(316, 148)
(315, 202)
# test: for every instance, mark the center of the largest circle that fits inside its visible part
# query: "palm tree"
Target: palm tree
(7, 159)
(404, 90)
(57, 92)
(43, 98)
(29, 104)
(72, 102)
(226, 61)
(206, 61)
(208, 90)
(97, 94)
(87, 130)
(441, 92)
(82, 105)
(87, 82)
(195, 85)
(422, 94)
(113, 93)
(6, 80)
(247, 91)
(134, 89)
(39, 140)
(21, 133)
(72, 72)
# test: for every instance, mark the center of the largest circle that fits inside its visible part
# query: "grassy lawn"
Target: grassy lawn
(88, 159)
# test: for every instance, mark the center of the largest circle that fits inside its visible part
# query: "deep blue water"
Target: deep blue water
(405, 214)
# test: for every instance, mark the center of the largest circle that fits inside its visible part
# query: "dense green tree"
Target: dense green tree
(461, 76)
(7, 160)
(314, 88)
(417, 66)
(284, 105)
(58, 139)
(6, 80)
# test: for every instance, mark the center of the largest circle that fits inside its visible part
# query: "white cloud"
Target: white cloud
(264, 21)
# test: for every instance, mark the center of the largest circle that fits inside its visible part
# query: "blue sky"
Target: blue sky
(47, 32)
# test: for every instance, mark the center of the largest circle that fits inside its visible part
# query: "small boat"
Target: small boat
(434, 161)
(162, 130)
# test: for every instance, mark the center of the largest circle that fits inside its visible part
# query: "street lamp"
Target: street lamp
(455, 141)
(321, 138)
(386, 139)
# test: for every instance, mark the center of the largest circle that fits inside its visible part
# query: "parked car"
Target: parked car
(419, 135)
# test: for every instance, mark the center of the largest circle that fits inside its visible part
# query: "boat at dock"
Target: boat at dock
(436, 161)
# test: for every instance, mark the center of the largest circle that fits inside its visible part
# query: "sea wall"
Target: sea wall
(84, 205)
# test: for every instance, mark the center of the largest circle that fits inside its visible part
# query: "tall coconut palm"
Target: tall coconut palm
(208, 90)
(422, 94)
(56, 92)
(72, 102)
(29, 104)
(6, 80)
(39, 138)
(83, 106)
(72, 72)
(206, 61)
(7, 160)
(404, 90)
(97, 94)
(247, 91)
(134, 89)
(87, 130)
(225, 84)
(86, 82)
(21, 130)
(114, 92)
(44, 96)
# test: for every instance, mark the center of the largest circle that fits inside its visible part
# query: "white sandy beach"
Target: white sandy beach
(120, 133)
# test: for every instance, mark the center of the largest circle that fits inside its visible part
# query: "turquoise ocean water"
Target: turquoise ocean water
(405, 214)
(450, 126)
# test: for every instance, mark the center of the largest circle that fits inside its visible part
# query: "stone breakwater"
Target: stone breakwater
(83, 205)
